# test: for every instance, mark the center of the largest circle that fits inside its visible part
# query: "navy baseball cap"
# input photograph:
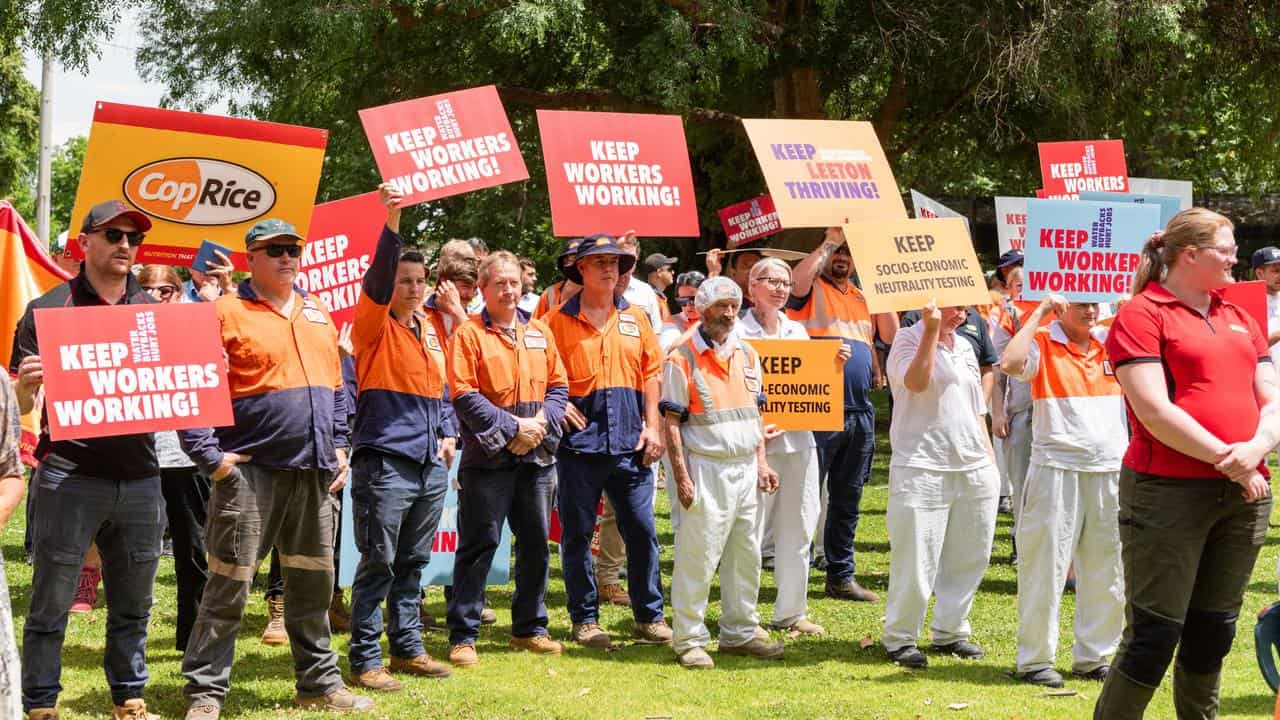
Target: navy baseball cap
(1265, 256)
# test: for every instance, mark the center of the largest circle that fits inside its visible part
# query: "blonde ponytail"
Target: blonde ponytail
(1193, 227)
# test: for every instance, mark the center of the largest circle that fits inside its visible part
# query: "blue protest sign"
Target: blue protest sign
(1085, 251)
(1169, 205)
(439, 570)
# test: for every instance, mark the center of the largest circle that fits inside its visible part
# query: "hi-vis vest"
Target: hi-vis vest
(723, 415)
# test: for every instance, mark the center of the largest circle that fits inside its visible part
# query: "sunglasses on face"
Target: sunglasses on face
(164, 292)
(115, 235)
(683, 301)
(275, 251)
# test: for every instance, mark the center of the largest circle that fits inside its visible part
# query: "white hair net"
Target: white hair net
(715, 289)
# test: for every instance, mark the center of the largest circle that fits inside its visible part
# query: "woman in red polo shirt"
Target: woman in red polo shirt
(1194, 496)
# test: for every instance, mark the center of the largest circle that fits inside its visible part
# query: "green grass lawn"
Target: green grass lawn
(832, 677)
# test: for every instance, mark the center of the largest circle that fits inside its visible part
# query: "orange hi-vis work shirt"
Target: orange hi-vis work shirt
(498, 377)
(1077, 409)
(607, 369)
(286, 388)
(402, 401)
(717, 401)
(552, 298)
(1006, 320)
(838, 311)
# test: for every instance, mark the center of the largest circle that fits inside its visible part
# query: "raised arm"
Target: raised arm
(920, 371)
(808, 269)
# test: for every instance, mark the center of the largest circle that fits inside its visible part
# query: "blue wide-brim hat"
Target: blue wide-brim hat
(599, 245)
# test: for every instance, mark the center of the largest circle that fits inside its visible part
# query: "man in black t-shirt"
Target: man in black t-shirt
(103, 490)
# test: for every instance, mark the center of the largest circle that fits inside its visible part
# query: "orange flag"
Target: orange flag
(26, 272)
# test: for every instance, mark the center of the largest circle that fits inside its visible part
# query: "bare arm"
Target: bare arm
(807, 270)
(1245, 457)
(988, 384)
(920, 372)
(675, 453)
(1014, 360)
(887, 326)
(1148, 394)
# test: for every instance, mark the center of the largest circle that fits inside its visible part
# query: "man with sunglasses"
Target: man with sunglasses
(274, 475)
(104, 490)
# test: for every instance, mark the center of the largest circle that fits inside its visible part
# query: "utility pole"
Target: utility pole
(46, 149)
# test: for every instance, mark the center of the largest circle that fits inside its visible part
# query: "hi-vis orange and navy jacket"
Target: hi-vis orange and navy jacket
(607, 372)
(551, 299)
(497, 378)
(402, 401)
(839, 312)
(286, 386)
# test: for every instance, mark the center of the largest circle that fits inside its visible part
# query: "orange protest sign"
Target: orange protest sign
(803, 383)
(823, 173)
(904, 265)
(198, 176)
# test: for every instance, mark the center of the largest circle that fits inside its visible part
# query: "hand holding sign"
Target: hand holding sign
(391, 196)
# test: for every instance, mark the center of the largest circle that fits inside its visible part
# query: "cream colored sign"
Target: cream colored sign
(906, 264)
(823, 173)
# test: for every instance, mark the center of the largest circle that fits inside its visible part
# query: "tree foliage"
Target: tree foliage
(959, 90)
(19, 127)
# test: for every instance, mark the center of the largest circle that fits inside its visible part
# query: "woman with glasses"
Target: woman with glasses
(1194, 493)
(185, 488)
(792, 512)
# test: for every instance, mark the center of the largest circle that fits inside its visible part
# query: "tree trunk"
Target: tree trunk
(796, 95)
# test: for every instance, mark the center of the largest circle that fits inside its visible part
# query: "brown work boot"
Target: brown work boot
(537, 644)
(422, 666)
(615, 594)
(464, 655)
(43, 714)
(803, 626)
(591, 635)
(696, 659)
(424, 615)
(340, 700)
(654, 633)
(850, 590)
(203, 712)
(339, 616)
(376, 679)
(488, 616)
(755, 647)
(134, 709)
(274, 633)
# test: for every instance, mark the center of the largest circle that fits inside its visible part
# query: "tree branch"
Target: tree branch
(933, 121)
(601, 99)
(693, 11)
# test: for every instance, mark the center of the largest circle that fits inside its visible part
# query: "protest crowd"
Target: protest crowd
(1126, 436)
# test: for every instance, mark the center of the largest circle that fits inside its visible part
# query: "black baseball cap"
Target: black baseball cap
(657, 261)
(1265, 256)
(105, 212)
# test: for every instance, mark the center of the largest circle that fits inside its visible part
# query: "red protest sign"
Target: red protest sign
(126, 369)
(1251, 296)
(613, 172)
(344, 233)
(1070, 167)
(444, 145)
(750, 220)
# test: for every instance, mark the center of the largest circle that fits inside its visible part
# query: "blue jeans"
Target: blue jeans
(396, 505)
(126, 518)
(629, 485)
(844, 464)
(521, 495)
